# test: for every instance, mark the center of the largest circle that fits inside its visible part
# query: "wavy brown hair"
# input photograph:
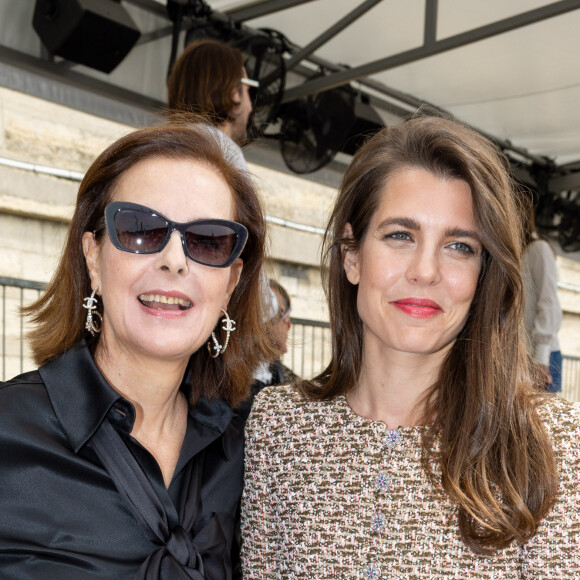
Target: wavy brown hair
(204, 79)
(58, 314)
(496, 459)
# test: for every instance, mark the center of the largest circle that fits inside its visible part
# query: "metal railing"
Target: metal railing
(571, 378)
(15, 293)
(309, 345)
(309, 351)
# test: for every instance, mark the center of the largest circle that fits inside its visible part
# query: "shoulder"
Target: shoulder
(285, 410)
(562, 421)
(277, 400)
(285, 400)
(27, 416)
(540, 249)
(29, 378)
(555, 545)
(22, 394)
(559, 415)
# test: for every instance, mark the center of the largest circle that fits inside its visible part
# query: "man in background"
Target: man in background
(278, 325)
(209, 79)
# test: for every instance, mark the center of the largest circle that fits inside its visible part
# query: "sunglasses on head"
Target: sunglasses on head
(139, 230)
(250, 82)
(281, 315)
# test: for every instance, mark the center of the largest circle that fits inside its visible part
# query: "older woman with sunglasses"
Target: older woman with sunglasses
(121, 456)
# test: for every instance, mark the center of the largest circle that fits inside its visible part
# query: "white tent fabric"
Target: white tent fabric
(522, 85)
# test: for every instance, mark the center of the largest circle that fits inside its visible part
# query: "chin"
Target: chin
(425, 348)
(171, 351)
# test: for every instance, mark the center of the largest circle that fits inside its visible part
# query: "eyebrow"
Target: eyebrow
(413, 224)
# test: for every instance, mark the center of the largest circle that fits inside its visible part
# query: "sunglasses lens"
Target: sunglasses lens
(139, 231)
(211, 244)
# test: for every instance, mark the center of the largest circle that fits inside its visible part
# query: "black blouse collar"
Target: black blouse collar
(82, 398)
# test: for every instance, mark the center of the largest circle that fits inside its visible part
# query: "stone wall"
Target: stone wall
(35, 208)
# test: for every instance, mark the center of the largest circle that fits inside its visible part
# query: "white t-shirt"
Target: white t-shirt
(542, 311)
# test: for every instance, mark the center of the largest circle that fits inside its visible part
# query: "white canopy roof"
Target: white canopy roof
(522, 85)
(509, 69)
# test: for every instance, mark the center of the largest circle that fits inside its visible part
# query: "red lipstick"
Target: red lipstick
(418, 307)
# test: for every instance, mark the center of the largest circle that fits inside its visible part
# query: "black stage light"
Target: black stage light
(96, 33)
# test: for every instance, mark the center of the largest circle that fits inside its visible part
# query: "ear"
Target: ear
(235, 273)
(91, 250)
(236, 97)
(350, 258)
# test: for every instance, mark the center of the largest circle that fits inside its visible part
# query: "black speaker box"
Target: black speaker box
(96, 33)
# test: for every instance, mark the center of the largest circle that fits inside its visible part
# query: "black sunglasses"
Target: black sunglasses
(139, 230)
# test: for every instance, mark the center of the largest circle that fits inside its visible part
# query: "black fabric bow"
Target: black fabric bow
(178, 556)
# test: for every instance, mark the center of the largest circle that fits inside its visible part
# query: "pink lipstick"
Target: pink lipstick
(418, 307)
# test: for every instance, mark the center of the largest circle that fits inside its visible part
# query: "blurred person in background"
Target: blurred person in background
(278, 331)
(209, 79)
(542, 311)
(277, 325)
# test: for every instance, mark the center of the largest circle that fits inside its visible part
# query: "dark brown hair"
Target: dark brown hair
(496, 459)
(58, 314)
(204, 80)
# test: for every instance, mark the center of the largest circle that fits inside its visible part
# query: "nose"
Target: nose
(172, 258)
(424, 267)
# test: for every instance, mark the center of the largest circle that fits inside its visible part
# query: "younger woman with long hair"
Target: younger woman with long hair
(423, 450)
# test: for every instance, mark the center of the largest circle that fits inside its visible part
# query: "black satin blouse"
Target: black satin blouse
(61, 516)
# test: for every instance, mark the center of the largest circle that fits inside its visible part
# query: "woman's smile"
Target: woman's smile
(165, 301)
(418, 307)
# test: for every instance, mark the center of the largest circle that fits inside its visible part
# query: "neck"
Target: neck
(152, 386)
(233, 132)
(228, 129)
(393, 387)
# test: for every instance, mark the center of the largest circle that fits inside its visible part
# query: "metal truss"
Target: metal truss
(303, 59)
